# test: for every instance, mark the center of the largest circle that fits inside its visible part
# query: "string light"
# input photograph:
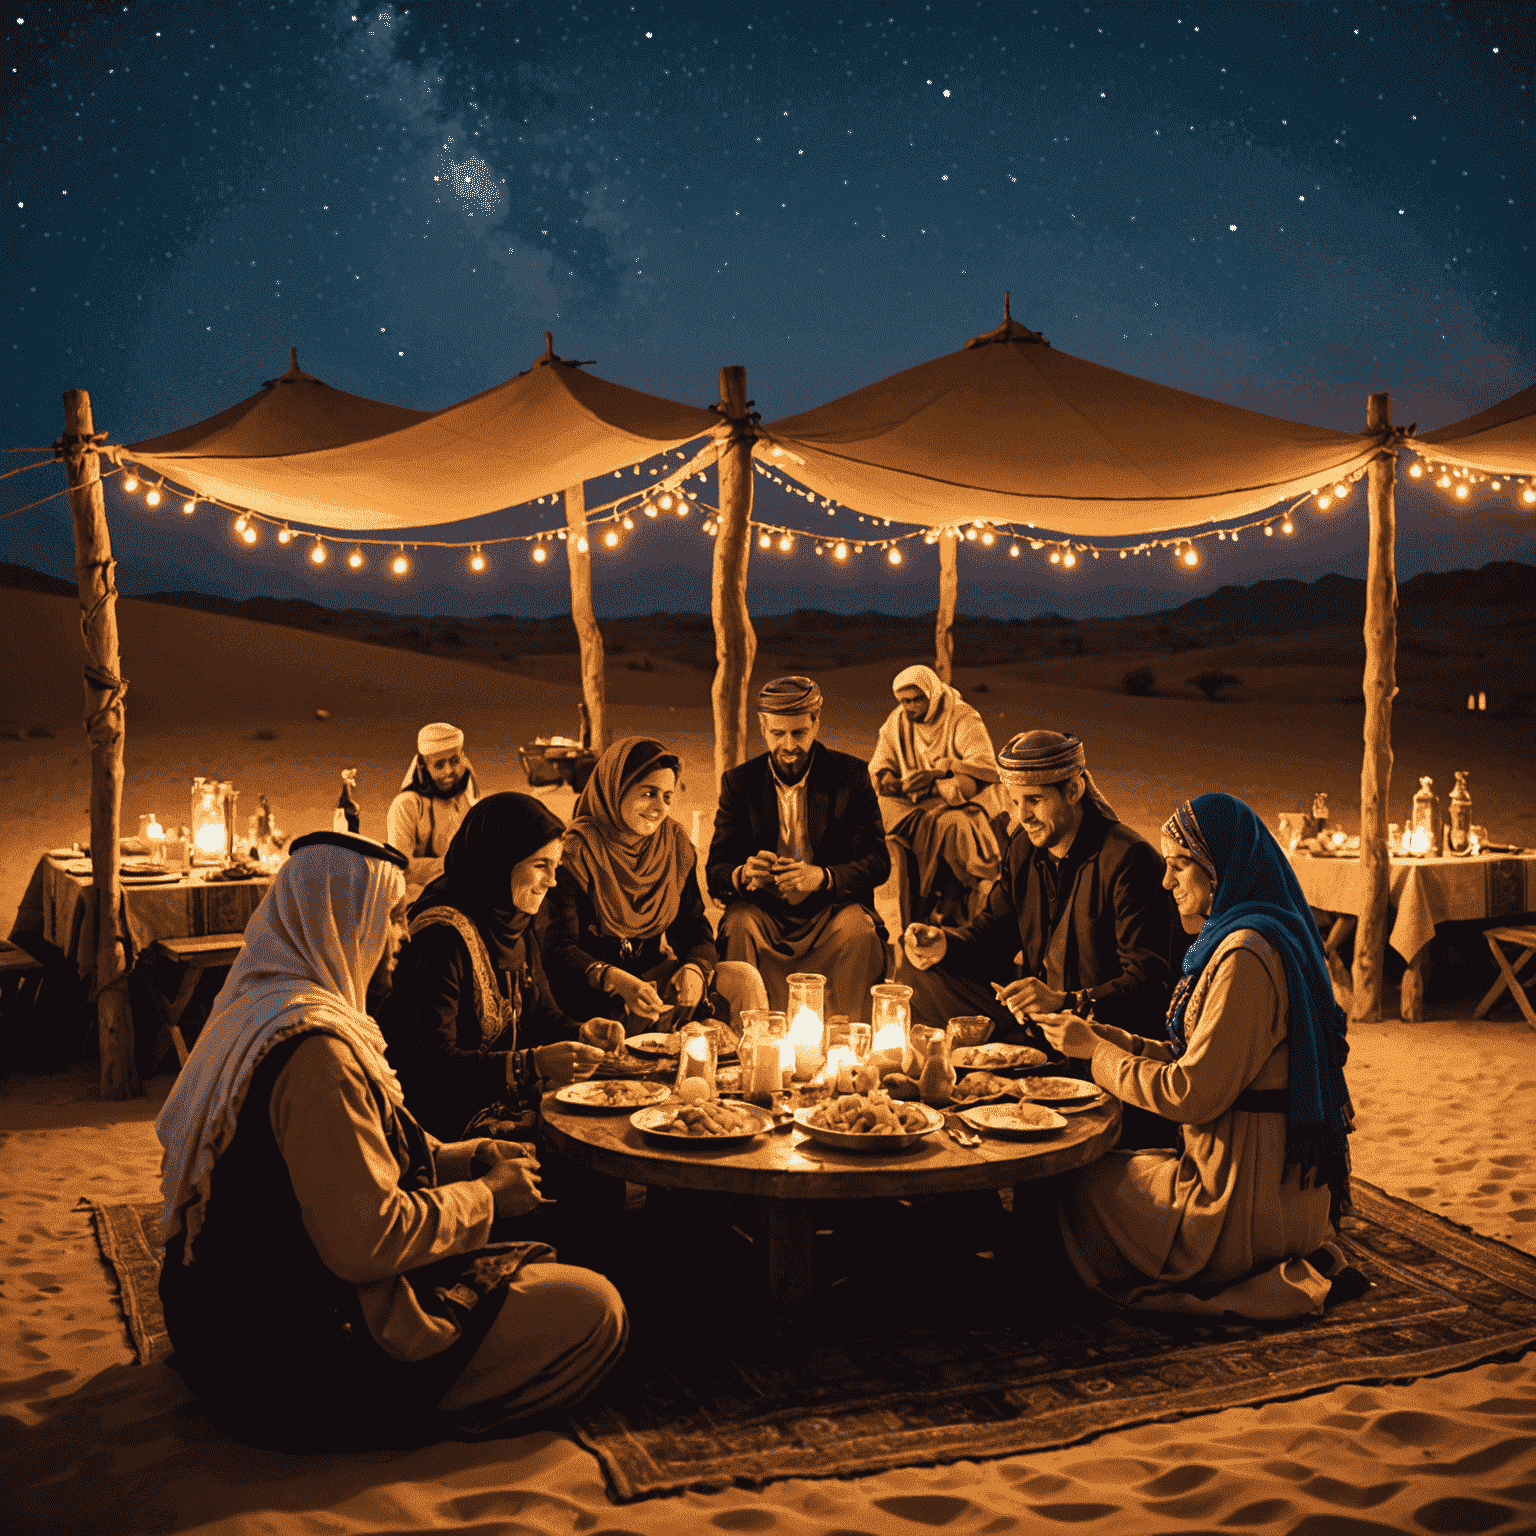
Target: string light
(1416, 470)
(240, 523)
(893, 555)
(400, 566)
(1069, 559)
(1014, 551)
(581, 544)
(477, 559)
(318, 552)
(1324, 502)
(765, 541)
(786, 544)
(357, 559)
(130, 482)
(284, 534)
(189, 506)
(152, 496)
(248, 533)
(540, 554)
(611, 539)
(1191, 556)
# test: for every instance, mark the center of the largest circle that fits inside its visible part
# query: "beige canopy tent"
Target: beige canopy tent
(1500, 440)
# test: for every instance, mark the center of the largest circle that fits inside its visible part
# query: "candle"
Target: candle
(805, 1032)
(210, 839)
(767, 1068)
(839, 1068)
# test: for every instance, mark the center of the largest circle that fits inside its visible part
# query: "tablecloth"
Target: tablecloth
(1424, 892)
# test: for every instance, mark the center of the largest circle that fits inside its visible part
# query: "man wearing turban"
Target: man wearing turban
(797, 855)
(1080, 895)
(435, 795)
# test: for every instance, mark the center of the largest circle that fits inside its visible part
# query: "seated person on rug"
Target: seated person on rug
(625, 927)
(936, 775)
(798, 853)
(435, 795)
(472, 1027)
(1080, 896)
(329, 1280)
(1238, 1218)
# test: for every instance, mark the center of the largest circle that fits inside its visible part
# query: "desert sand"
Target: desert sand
(96, 1443)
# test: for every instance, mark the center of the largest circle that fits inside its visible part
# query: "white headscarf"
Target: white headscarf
(310, 949)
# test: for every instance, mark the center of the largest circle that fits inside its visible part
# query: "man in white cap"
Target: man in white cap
(436, 793)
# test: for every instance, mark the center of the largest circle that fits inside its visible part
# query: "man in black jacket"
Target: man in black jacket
(798, 853)
(1080, 896)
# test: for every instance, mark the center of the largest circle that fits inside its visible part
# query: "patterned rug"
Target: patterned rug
(921, 1365)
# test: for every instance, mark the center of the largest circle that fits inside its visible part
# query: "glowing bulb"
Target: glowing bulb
(841, 551)
(1416, 470)
(476, 559)
(611, 539)
(189, 506)
(1269, 530)
(1055, 557)
(986, 538)
(665, 503)
(786, 544)
(131, 484)
(540, 554)
(1341, 490)
(1287, 526)
(970, 533)
(1069, 559)
(1528, 495)
(682, 509)
(1444, 482)
(356, 560)
(240, 524)
(400, 565)
(763, 541)
(1191, 558)
(152, 499)
(629, 522)
(894, 556)
(650, 511)
(317, 553)
(1324, 502)
(248, 534)
(1494, 484)
(285, 533)
(581, 545)
(1014, 551)
(1461, 493)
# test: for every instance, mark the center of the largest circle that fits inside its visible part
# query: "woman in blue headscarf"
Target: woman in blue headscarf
(1239, 1218)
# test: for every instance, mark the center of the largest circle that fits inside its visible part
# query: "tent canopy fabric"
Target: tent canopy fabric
(1008, 429)
(297, 411)
(1501, 439)
(541, 432)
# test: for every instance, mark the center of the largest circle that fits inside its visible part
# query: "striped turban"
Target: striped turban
(1048, 757)
(1183, 829)
(790, 696)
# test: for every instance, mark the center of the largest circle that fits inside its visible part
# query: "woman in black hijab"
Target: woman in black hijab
(472, 1028)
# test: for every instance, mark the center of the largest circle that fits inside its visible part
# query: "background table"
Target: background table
(1420, 894)
(785, 1170)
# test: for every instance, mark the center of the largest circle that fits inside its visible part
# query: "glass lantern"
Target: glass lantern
(891, 1019)
(697, 1058)
(1426, 815)
(807, 1022)
(761, 1053)
(208, 830)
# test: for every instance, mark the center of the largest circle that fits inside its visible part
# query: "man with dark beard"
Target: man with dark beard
(798, 853)
(437, 792)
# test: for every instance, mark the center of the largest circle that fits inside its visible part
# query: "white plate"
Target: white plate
(593, 1095)
(1009, 1088)
(654, 1122)
(149, 876)
(869, 1141)
(994, 1055)
(1059, 1090)
(653, 1043)
(1013, 1119)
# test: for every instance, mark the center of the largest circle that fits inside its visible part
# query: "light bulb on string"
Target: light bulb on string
(1069, 560)
(399, 566)
(1324, 502)
(1055, 557)
(248, 533)
(1191, 556)
(581, 545)
(841, 551)
(1444, 482)
(1269, 530)
(1462, 492)
(893, 555)
(1013, 551)
(1528, 496)
(1494, 485)
(357, 559)
(611, 539)
(1122, 554)
(1416, 471)
(240, 523)
(682, 509)
(152, 496)
(629, 522)
(477, 559)
(1340, 491)
(284, 534)
(986, 538)
(130, 482)
(317, 553)
(189, 506)
(540, 554)
(764, 541)
(1287, 526)
(786, 544)
(665, 502)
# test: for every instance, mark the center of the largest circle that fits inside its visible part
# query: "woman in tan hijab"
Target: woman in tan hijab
(626, 918)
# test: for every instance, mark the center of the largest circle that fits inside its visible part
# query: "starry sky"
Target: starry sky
(1284, 206)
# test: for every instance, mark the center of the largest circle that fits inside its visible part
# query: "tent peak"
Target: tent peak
(550, 356)
(294, 372)
(1009, 330)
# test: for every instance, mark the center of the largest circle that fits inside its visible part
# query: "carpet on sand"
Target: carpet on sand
(881, 1381)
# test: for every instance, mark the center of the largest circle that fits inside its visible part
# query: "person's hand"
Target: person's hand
(796, 880)
(605, 1034)
(492, 1150)
(639, 997)
(514, 1182)
(925, 945)
(566, 1060)
(688, 987)
(1029, 995)
(889, 785)
(918, 781)
(1068, 1034)
(757, 872)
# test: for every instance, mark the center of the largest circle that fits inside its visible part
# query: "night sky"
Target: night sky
(1281, 206)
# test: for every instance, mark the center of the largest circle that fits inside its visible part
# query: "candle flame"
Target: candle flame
(210, 839)
(805, 1028)
(698, 1048)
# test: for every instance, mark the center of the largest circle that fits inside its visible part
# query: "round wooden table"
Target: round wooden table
(784, 1170)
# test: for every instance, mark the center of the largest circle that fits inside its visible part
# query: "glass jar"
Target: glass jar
(1423, 837)
(936, 1086)
(807, 1022)
(697, 1058)
(1459, 836)
(761, 1053)
(890, 1018)
(208, 831)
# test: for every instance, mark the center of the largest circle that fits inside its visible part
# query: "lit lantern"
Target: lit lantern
(207, 821)
(1426, 815)
(890, 1019)
(761, 1053)
(807, 1022)
(839, 1068)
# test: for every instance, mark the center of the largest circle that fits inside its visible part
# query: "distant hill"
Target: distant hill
(20, 579)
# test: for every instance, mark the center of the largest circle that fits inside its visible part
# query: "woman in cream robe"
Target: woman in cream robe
(1239, 1218)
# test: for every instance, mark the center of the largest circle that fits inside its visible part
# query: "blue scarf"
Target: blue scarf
(1257, 889)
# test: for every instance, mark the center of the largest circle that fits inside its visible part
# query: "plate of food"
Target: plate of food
(655, 1043)
(987, 1088)
(1059, 1090)
(710, 1122)
(149, 876)
(1013, 1119)
(611, 1093)
(995, 1056)
(868, 1122)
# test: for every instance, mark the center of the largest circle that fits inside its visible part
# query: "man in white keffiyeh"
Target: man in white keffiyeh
(329, 1276)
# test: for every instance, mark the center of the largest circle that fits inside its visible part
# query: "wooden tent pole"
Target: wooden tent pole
(949, 587)
(1380, 689)
(105, 723)
(735, 639)
(588, 635)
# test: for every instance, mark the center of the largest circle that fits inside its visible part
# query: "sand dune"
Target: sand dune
(93, 1443)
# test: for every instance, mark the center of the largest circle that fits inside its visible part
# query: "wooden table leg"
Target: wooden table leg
(789, 1226)
(1338, 972)
(1412, 1003)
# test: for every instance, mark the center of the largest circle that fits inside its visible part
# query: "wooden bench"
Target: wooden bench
(1509, 974)
(190, 958)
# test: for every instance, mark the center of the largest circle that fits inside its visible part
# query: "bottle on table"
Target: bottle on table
(1426, 817)
(1459, 834)
(936, 1086)
(347, 816)
(1320, 811)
